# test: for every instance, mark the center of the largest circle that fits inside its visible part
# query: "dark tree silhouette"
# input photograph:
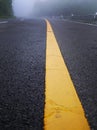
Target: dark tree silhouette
(5, 8)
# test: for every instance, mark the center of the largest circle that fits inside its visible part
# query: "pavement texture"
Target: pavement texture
(22, 69)
(78, 44)
(22, 74)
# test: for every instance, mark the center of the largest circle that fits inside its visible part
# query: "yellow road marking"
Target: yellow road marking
(63, 110)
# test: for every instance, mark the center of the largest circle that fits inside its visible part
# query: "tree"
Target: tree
(5, 8)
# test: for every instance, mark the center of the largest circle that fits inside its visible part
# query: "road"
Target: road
(22, 69)
(78, 43)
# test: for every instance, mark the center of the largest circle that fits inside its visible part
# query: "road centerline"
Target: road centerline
(63, 109)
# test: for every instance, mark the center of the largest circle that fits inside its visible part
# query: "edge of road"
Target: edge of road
(89, 24)
(3, 22)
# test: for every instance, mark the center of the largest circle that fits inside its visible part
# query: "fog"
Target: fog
(23, 8)
(30, 8)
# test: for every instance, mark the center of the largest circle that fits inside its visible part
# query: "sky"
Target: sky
(23, 8)
(29, 8)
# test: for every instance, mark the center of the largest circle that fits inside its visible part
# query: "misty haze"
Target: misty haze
(30, 8)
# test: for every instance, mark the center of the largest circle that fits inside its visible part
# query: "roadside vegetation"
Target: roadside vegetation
(5, 8)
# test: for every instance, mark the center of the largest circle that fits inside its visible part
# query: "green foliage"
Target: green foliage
(5, 8)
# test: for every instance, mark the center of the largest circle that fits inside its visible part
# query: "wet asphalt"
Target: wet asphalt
(78, 44)
(22, 74)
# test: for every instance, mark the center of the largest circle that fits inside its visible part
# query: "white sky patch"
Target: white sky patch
(43, 0)
(23, 8)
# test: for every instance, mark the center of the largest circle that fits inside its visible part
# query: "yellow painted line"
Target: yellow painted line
(63, 110)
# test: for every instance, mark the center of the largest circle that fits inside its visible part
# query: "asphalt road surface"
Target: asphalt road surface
(22, 74)
(22, 69)
(78, 44)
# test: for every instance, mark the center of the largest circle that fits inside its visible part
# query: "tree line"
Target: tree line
(5, 8)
